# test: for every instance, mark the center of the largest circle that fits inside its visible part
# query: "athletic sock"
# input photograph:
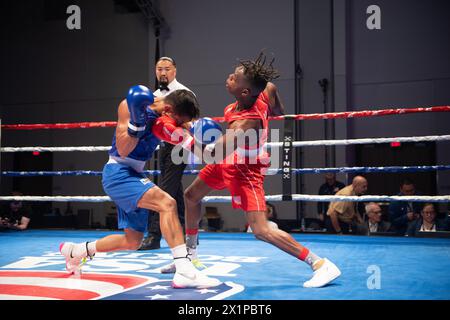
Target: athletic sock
(191, 242)
(191, 238)
(92, 248)
(84, 249)
(310, 258)
(182, 262)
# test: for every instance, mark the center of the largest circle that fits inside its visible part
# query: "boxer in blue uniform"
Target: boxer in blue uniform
(142, 123)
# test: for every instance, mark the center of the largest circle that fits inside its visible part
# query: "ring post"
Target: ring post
(286, 157)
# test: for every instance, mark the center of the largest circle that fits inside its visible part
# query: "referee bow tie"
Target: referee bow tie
(163, 87)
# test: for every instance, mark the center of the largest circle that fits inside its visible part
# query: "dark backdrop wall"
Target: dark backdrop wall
(51, 74)
(404, 65)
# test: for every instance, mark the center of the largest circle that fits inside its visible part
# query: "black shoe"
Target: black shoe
(150, 243)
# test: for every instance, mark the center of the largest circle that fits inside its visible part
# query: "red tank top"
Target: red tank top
(259, 110)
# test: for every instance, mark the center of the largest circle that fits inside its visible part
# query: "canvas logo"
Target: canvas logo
(119, 276)
(50, 285)
(59, 285)
(162, 290)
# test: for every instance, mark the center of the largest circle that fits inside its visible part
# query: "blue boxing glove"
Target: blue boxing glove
(138, 98)
(206, 130)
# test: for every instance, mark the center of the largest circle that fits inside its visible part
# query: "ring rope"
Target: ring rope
(313, 116)
(54, 149)
(77, 125)
(362, 141)
(223, 199)
(270, 144)
(58, 149)
(362, 114)
(270, 171)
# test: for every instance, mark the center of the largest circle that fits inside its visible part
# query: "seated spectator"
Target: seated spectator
(271, 215)
(14, 215)
(402, 213)
(374, 222)
(427, 222)
(343, 215)
(329, 188)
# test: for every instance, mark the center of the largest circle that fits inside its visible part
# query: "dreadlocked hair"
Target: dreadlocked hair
(258, 72)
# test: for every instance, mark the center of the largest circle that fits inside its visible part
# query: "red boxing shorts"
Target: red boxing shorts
(244, 181)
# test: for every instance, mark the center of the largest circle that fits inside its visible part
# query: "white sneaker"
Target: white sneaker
(324, 275)
(73, 264)
(169, 269)
(198, 264)
(193, 280)
(172, 269)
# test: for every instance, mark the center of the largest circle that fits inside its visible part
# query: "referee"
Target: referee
(171, 174)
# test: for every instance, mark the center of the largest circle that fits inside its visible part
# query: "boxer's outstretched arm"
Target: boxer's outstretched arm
(275, 104)
(167, 130)
(124, 142)
(229, 141)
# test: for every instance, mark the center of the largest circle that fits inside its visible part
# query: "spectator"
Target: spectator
(374, 221)
(329, 188)
(344, 215)
(427, 222)
(271, 215)
(15, 215)
(402, 213)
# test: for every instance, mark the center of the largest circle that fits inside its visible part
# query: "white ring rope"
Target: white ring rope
(226, 199)
(57, 149)
(363, 141)
(270, 144)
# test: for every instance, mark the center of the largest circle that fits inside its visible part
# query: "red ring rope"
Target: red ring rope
(312, 116)
(80, 125)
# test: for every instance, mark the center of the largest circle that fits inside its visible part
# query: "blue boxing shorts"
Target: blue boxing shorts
(125, 187)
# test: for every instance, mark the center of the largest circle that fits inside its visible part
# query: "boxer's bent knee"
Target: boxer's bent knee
(168, 204)
(190, 196)
(165, 203)
(157, 200)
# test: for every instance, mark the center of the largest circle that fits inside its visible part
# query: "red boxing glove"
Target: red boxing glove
(166, 129)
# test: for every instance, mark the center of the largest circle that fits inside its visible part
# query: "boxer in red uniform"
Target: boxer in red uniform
(242, 171)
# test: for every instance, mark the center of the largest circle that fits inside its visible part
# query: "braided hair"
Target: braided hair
(258, 73)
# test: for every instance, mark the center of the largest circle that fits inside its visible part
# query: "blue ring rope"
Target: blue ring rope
(195, 172)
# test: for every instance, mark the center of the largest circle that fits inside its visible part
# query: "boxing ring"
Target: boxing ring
(381, 268)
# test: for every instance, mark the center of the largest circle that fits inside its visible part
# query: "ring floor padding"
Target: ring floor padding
(372, 268)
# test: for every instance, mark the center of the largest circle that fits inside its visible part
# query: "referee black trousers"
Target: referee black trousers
(170, 182)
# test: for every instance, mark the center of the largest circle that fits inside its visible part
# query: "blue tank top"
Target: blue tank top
(146, 145)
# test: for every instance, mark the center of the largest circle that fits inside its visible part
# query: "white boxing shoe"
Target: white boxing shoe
(194, 279)
(324, 275)
(169, 268)
(73, 264)
(172, 269)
